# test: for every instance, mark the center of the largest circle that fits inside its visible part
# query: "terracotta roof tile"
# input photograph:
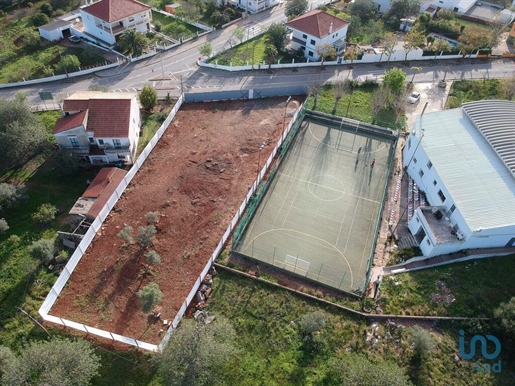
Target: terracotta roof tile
(317, 23)
(102, 187)
(70, 105)
(113, 10)
(109, 118)
(69, 122)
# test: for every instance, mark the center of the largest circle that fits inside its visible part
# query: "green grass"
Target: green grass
(478, 286)
(174, 28)
(355, 105)
(474, 90)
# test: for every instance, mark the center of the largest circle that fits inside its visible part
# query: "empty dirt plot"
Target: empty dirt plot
(196, 178)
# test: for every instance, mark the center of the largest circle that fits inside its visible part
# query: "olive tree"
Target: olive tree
(43, 250)
(149, 296)
(295, 8)
(45, 214)
(53, 363)
(197, 353)
(146, 235)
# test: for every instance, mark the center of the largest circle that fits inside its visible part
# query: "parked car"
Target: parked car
(414, 97)
(75, 39)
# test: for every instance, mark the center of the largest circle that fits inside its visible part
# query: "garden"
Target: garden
(173, 27)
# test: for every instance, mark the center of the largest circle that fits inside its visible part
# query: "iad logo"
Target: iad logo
(481, 367)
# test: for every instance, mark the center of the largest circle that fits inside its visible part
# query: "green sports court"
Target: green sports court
(319, 216)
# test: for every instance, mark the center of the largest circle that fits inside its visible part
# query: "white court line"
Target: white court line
(284, 199)
(289, 210)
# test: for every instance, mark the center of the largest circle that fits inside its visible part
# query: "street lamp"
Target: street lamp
(285, 108)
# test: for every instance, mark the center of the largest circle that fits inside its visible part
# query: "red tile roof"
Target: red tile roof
(113, 10)
(109, 118)
(69, 122)
(317, 23)
(102, 187)
(70, 105)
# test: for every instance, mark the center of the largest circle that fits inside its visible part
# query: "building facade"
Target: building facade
(463, 161)
(315, 28)
(102, 128)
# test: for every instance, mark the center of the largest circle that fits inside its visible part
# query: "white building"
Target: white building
(107, 20)
(464, 161)
(317, 27)
(251, 6)
(102, 128)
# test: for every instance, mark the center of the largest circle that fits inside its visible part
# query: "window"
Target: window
(336, 33)
(429, 164)
(428, 242)
(101, 142)
(74, 141)
(414, 160)
(122, 157)
(304, 36)
(310, 53)
(91, 140)
(434, 182)
(416, 218)
(453, 208)
(117, 144)
(312, 42)
(441, 195)
(409, 143)
(131, 19)
(421, 173)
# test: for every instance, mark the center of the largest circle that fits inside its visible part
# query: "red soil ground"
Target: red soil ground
(196, 177)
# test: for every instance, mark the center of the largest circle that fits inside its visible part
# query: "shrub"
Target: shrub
(45, 214)
(126, 234)
(43, 250)
(149, 296)
(421, 340)
(39, 19)
(312, 323)
(46, 8)
(152, 217)
(157, 26)
(148, 97)
(4, 227)
(146, 235)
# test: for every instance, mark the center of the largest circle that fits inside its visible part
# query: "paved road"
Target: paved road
(176, 68)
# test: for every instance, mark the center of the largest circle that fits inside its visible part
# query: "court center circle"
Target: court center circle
(326, 187)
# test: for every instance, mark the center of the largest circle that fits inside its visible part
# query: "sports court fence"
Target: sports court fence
(44, 310)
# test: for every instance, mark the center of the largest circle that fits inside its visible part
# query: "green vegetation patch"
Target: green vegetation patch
(173, 27)
(470, 289)
(475, 90)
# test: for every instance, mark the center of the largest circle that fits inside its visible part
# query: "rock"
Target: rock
(203, 288)
(209, 319)
(208, 292)
(456, 358)
(200, 297)
(201, 305)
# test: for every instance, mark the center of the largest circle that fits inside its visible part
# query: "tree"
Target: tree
(192, 9)
(388, 42)
(21, 133)
(352, 53)
(148, 97)
(52, 363)
(45, 214)
(146, 235)
(314, 90)
(270, 54)
(4, 227)
(149, 296)
(504, 317)
(276, 35)
(68, 63)
(206, 49)
(421, 340)
(39, 19)
(379, 100)
(152, 258)
(509, 88)
(354, 369)
(340, 88)
(197, 353)
(412, 40)
(472, 39)
(11, 195)
(43, 250)
(365, 9)
(65, 163)
(239, 33)
(133, 42)
(46, 8)
(354, 29)
(399, 104)
(326, 51)
(403, 8)
(440, 45)
(415, 71)
(395, 80)
(126, 235)
(295, 8)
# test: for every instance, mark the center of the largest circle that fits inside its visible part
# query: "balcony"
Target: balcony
(80, 150)
(123, 150)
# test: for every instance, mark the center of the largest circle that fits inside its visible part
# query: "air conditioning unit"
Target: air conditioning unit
(434, 209)
(460, 235)
(453, 224)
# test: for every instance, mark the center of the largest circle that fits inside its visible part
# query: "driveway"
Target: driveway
(434, 96)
